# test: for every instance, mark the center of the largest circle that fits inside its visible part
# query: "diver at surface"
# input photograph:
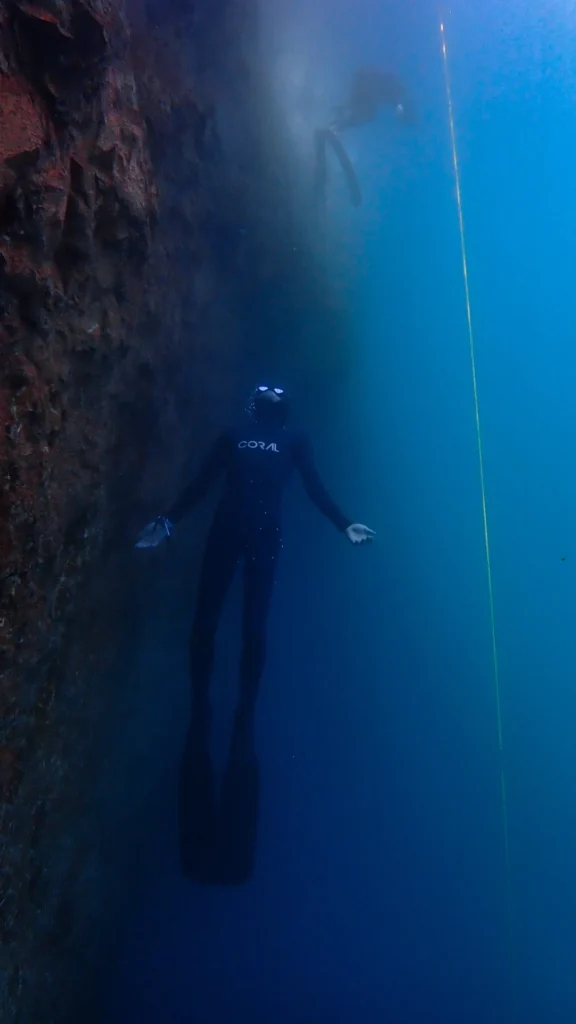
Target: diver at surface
(256, 461)
(371, 90)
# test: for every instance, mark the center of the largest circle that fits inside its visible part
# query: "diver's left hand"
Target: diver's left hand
(156, 532)
(359, 534)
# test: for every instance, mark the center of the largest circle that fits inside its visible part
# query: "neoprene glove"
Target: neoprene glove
(156, 532)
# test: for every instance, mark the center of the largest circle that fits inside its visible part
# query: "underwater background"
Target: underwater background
(384, 890)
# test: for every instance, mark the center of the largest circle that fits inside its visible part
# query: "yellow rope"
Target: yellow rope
(495, 659)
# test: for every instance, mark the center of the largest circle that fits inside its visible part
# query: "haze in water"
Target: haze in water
(384, 891)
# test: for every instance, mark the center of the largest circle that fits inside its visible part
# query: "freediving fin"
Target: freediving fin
(238, 821)
(197, 817)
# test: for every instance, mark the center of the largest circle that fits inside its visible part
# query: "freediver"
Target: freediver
(256, 461)
(370, 91)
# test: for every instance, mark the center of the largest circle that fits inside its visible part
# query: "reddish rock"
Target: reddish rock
(23, 123)
(78, 200)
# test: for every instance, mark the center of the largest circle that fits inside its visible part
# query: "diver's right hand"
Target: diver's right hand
(153, 534)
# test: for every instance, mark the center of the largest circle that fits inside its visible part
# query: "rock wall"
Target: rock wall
(147, 267)
(115, 364)
(78, 203)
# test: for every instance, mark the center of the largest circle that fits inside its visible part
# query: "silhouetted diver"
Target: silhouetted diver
(370, 91)
(218, 845)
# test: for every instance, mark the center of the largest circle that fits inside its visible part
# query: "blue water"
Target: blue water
(382, 892)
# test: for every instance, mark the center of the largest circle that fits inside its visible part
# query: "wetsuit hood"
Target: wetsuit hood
(268, 406)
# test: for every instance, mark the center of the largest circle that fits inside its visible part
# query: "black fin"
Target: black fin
(238, 821)
(197, 816)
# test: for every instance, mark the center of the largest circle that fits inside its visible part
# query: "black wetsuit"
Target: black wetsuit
(218, 837)
(257, 461)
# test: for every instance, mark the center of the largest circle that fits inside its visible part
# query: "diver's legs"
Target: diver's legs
(196, 790)
(260, 565)
(347, 167)
(221, 556)
(322, 138)
(241, 786)
(320, 167)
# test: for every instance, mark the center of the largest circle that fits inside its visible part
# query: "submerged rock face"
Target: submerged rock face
(106, 268)
(77, 202)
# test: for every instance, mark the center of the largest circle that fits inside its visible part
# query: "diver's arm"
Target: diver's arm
(315, 488)
(214, 464)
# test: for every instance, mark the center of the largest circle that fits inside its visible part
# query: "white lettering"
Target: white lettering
(272, 447)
